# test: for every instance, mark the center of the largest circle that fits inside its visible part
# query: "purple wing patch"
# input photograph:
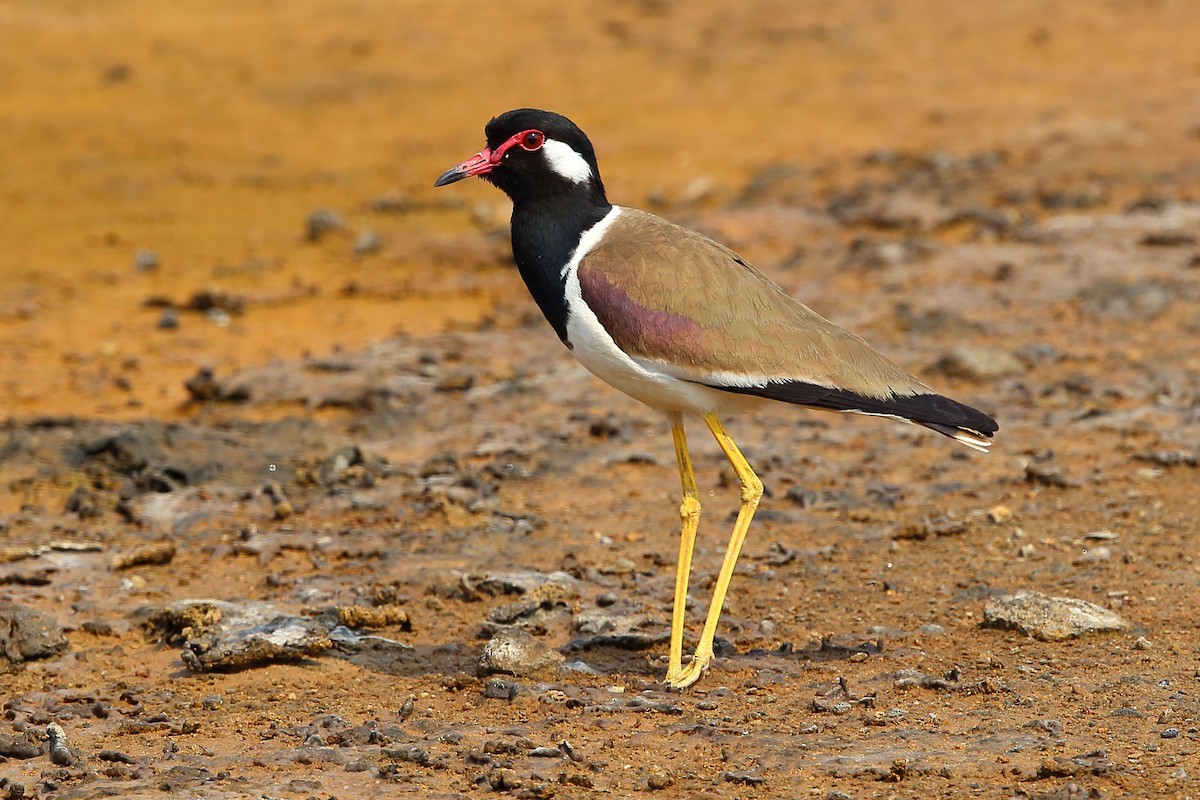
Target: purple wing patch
(637, 330)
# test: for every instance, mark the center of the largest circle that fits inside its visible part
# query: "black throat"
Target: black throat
(545, 233)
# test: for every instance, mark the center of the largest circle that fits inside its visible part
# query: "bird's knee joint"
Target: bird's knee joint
(752, 489)
(689, 508)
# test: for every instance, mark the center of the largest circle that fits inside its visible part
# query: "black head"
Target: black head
(532, 154)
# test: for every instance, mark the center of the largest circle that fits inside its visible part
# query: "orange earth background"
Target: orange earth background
(208, 133)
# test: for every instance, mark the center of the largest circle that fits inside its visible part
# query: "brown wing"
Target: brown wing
(694, 308)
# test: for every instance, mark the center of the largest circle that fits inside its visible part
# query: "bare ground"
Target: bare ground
(365, 432)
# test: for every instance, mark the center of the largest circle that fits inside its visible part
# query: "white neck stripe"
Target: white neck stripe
(563, 159)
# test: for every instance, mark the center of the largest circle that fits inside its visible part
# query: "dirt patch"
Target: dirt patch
(288, 450)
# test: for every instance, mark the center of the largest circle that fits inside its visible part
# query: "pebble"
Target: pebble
(1000, 514)
(514, 651)
(366, 243)
(500, 689)
(169, 320)
(1169, 733)
(979, 364)
(145, 261)
(321, 222)
(660, 778)
(1049, 618)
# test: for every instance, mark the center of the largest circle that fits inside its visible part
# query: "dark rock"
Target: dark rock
(500, 689)
(27, 634)
(12, 746)
(1168, 239)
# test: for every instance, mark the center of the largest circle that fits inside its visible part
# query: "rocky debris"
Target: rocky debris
(156, 553)
(27, 634)
(980, 364)
(349, 465)
(620, 624)
(935, 526)
(150, 457)
(523, 582)
(1139, 301)
(216, 305)
(281, 639)
(542, 596)
(381, 378)
(19, 746)
(219, 635)
(1170, 458)
(952, 681)
(1042, 470)
(373, 618)
(513, 651)
(203, 387)
(1049, 619)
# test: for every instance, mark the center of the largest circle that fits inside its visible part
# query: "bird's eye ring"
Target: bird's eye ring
(532, 140)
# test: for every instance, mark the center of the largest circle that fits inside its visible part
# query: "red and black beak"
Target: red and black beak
(479, 164)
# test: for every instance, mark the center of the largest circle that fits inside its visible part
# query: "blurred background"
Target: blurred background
(221, 183)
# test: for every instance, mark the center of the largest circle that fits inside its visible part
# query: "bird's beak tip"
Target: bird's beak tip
(478, 164)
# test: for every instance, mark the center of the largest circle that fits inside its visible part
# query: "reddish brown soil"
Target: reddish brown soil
(1022, 177)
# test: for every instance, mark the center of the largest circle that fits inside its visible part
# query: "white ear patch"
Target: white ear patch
(563, 159)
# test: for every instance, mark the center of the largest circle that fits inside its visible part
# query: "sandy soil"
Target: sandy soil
(250, 354)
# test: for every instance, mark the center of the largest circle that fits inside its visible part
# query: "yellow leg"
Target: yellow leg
(689, 512)
(752, 490)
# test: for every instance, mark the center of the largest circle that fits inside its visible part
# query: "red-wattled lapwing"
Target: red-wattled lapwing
(683, 324)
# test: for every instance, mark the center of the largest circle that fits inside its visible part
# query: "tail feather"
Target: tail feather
(964, 424)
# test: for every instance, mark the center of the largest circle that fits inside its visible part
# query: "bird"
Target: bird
(683, 324)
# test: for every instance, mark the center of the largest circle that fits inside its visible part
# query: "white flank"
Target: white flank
(563, 159)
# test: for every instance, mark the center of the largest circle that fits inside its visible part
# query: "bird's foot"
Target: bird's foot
(685, 677)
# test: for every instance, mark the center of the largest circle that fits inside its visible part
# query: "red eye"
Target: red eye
(532, 140)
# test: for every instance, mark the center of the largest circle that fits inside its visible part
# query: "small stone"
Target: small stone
(500, 689)
(1049, 618)
(457, 380)
(1000, 514)
(1169, 733)
(979, 364)
(514, 651)
(660, 778)
(321, 222)
(366, 243)
(145, 261)
(504, 780)
(168, 320)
